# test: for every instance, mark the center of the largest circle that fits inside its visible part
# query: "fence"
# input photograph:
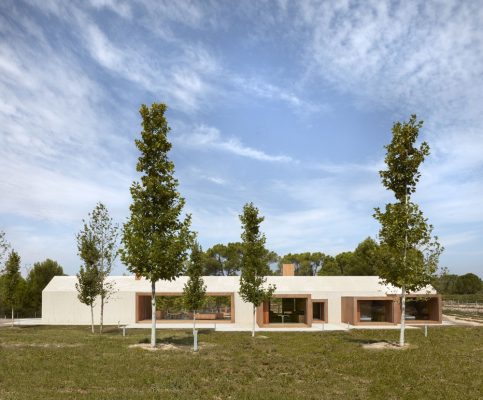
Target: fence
(466, 307)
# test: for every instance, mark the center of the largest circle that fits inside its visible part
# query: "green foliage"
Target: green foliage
(468, 284)
(452, 284)
(194, 290)
(254, 261)
(13, 285)
(403, 159)
(445, 283)
(409, 253)
(223, 260)
(306, 264)
(365, 260)
(37, 279)
(87, 285)
(88, 279)
(330, 268)
(464, 298)
(105, 233)
(155, 239)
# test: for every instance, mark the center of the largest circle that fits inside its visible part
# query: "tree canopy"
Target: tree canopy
(306, 264)
(223, 260)
(156, 236)
(37, 279)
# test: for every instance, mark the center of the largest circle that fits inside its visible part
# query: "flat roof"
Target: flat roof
(284, 284)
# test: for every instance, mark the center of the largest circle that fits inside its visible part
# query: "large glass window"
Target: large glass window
(417, 309)
(173, 308)
(373, 311)
(287, 310)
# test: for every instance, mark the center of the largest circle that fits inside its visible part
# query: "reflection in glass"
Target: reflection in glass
(287, 310)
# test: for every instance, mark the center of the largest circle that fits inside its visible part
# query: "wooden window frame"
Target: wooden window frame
(179, 321)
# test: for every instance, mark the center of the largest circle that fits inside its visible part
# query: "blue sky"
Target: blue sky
(286, 104)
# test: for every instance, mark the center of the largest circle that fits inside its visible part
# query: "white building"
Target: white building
(298, 301)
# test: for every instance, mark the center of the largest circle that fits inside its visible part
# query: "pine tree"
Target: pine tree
(155, 239)
(254, 264)
(408, 249)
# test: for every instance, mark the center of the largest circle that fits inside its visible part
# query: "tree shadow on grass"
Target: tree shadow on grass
(185, 339)
(365, 340)
(27, 326)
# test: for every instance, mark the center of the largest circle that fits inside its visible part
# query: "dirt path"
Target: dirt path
(461, 322)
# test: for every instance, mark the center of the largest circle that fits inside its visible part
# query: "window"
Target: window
(287, 310)
(318, 310)
(215, 308)
(373, 311)
(417, 309)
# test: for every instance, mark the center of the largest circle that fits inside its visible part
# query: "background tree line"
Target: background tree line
(24, 295)
(225, 260)
(447, 283)
(364, 260)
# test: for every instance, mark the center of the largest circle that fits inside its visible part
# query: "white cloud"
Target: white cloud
(269, 91)
(210, 138)
(119, 7)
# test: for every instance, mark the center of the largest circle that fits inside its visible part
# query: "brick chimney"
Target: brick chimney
(288, 269)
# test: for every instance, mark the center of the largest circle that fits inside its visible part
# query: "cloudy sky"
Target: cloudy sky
(286, 104)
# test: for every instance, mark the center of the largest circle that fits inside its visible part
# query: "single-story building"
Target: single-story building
(299, 301)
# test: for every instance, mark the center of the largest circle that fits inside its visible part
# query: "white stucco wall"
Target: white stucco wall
(60, 305)
(64, 308)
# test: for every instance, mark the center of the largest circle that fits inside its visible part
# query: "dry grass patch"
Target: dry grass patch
(387, 346)
(169, 346)
(42, 345)
(161, 346)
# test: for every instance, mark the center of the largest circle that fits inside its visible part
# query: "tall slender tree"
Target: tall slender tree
(88, 281)
(194, 290)
(11, 281)
(409, 251)
(105, 234)
(155, 238)
(254, 261)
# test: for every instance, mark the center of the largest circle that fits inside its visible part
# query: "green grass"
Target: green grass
(78, 365)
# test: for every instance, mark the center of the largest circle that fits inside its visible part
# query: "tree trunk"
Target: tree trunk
(92, 318)
(102, 315)
(194, 321)
(253, 328)
(13, 316)
(403, 316)
(153, 314)
(403, 288)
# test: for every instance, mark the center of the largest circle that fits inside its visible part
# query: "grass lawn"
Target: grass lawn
(69, 362)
